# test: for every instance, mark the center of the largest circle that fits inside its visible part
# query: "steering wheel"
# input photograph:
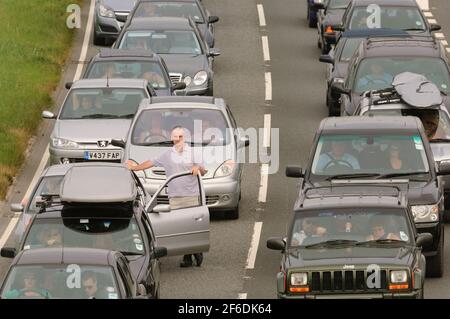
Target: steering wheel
(336, 162)
(155, 138)
(371, 82)
(42, 293)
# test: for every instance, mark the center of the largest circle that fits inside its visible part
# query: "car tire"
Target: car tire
(233, 214)
(435, 264)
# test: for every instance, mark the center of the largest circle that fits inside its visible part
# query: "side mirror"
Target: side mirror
(161, 208)
(68, 85)
(8, 252)
(318, 5)
(118, 143)
(213, 52)
(444, 167)
(17, 208)
(160, 252)
(331, 38)
(213, 19)
(338, 87)
(48, 115)
(294, 171)
(424, 240)
(435, 27)
(276, 244)
(179, 86)
(339, 27)
(244, 141)
(326, 58)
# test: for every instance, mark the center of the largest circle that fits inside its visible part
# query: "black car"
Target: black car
(113, 63)
(328, 17)
(357, 148)
(179, 42)
(390, 14)
(378, 60)
(70, 273)
(351, 240)
(339, 57)
(178, 8)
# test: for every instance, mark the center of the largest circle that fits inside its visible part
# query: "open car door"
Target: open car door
(184, 230)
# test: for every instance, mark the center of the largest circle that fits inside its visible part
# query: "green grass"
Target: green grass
(34, 44)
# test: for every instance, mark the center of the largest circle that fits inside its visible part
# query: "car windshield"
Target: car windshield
(48, 186)
(338, 4)
(435, 122)
(390, 17)
(349, 226)
(378, 73)
(151, 71)
(349, 48)
(169, 9)
(121, 234)
(60, 281)
(107, 103)
(382, 154)
(163, 42)
(202, 126)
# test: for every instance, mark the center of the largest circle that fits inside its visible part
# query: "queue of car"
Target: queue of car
(389, 78)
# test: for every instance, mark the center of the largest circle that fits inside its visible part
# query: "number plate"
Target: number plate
(103, 156)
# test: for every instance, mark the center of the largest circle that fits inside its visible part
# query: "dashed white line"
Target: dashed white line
(268, 78)
(265, 45)
(242, 296)
(444, 42)
(262, 18)
(439, 36)
(254, 245)
(448, 50)
(263, 185)
(432, 21)
(428, 14)
(266, 136)
(424, 4)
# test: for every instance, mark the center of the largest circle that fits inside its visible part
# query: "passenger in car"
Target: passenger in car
(337, 156)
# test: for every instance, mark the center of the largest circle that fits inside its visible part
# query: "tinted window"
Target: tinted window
(338, 4)
(349, 48)
(169, 9)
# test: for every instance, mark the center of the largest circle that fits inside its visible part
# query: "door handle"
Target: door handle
(199, 218)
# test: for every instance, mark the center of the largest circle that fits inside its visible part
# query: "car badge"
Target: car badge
(102, 143)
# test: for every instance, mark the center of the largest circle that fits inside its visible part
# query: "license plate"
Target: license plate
(102, 156)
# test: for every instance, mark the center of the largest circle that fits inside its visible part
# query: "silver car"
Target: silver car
(211, 131)
(94, 112)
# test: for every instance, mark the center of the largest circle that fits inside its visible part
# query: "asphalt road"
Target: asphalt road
(297, 106)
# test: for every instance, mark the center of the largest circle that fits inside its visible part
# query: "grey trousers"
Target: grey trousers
(184, 202)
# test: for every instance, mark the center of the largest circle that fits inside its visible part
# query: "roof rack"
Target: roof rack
(410, 38)
(46, 201)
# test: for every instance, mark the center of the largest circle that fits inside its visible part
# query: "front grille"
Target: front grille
(175, 77)
(344, 281)
(210, 200)
(121, 16)
(110, 29)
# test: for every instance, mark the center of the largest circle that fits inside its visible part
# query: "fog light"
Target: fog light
(65, 160)
(226, 198)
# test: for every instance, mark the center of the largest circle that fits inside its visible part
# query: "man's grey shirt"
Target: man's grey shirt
(174, 162)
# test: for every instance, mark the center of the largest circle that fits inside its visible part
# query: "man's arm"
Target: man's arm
(139, 167)
(197, 169)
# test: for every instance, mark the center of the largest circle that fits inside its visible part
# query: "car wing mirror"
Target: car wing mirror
(161, 208)
(444, 167)
(213, 19)
(294, 171)
(179, 86)
(338, 87)
(16, 207)
(118, 143)
(8, 252)
(424, 240)
(160, 252)
(435, 27)
(68, 85)
(48, 115)
(326, 58)
(213, 52)
(276, 244)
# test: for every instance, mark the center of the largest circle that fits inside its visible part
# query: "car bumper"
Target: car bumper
(194, 91)
(435, 230)
(107, 27)
(221, 193)
(398, 295)
(59, 156)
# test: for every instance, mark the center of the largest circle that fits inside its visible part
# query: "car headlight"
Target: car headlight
(299, 279)
(425, 213)
(63, 143)
(187, 80)
(399, 276)
(225, 169)
(106, 12)
(200, 77)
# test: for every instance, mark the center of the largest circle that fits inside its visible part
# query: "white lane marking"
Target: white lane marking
(266, 136)
(265, 45)
(448, 50)
(254, 245)
(45, 156)
(432, 21)
(439, 35)
(444, 42)
(262, 18)
(424, 4)
(428, 14)
(85, 46)
(268, 80)
(242, 296)
(263, 184)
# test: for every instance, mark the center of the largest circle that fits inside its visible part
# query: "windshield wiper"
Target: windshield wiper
(99, 116)
(400, 174)
(126, 116)
(381, 241)
(334, 242)
(204, 143)
(414, 29)
(356, 175)
(440, 140)
(131, 253)
(156, 143)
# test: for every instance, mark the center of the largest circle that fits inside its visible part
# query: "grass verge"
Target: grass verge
(34, 44)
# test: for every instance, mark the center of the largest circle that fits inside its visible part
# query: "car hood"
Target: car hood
(333, 17)
(336, 257)
(136, 264)
(119, 5)
(186, 64)
(213, 156)
(90, 131)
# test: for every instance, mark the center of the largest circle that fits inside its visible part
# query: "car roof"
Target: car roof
(406, 3)
(89, 256)
(112, 83)
(98, 183)
(57, 170)
(207, 102)
(159, 23)
(401, 46)
(360, 124)
(126, 54)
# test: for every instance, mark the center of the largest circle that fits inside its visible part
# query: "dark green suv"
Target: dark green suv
(352, 240)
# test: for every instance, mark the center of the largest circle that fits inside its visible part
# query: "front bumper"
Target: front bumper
(435, 230)
(382, 295)
(57, 155)
(221, 193)
(202, 90)
(107, 27)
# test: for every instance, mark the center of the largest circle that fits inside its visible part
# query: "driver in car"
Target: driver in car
(30, 288)
(377, 78)
(337, 157)
(154, 132)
